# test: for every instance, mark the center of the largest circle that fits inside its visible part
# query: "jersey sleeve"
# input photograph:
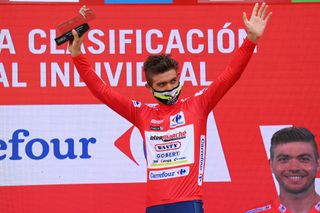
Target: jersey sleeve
(211, 95)
(117, 102)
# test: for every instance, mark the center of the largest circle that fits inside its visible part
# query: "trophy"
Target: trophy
(79, 23)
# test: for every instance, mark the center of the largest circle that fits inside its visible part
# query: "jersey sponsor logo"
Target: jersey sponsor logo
(168, 146)
(162, 158)
(154, 121)
(175, 136)
(170, 137)
(179, 159)
(168, 159)
(136, 103)
(200, 92)
(169, 155)
(152, 106)
(177, 120)
(157, 128)
(156, 137)
(202, 158)
(172, 148)
(260, 209)
(216, 168)
(169, 173)
(282, 208)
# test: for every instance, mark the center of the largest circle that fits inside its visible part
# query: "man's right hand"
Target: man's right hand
(257, 23)
(75, 45)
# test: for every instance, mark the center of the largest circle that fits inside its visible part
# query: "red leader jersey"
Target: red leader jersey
(174, 135)
(276, 207)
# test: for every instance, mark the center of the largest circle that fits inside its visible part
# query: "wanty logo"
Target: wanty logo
(167, 146)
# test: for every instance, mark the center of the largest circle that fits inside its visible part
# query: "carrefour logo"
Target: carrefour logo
(21, 144)
(169, 173)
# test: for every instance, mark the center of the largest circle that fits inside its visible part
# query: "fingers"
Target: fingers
(77, 40)
(268, 17)
(261, 12)
(75, 35)
(255, 9)
(261, 9)
(75, 45)
(244, 17)
(264, 12)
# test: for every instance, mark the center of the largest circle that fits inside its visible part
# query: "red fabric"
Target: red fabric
(192, 114)
(275, 207)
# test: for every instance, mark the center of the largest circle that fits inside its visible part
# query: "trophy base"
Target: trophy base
(68, 35)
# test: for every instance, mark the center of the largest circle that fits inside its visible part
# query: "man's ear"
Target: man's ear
(318, 168)
(270, 164)
(148, 87)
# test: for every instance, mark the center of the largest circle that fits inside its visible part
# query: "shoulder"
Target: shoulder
(138, 106)
(196, 96)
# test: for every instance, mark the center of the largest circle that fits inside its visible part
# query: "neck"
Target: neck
(165, 107)
(300, 202)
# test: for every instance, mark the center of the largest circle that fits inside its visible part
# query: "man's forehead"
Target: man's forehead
(294, 148)
(165, 76)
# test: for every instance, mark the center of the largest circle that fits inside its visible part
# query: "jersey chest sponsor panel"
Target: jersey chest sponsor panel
(171, 148)
(173, 156)
(174, 152)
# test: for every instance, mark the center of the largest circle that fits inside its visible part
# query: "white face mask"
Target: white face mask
(168, 97)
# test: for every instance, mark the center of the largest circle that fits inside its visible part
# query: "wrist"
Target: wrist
(252, 38)
(75, 53)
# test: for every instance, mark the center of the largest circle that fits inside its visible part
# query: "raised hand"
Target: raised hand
(75, 45)
(257, 23)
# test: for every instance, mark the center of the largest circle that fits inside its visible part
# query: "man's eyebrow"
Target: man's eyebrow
(301, 155)
(305, 155)
(282, 155)
(174, 78)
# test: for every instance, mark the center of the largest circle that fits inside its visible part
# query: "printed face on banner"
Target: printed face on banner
(295, 166)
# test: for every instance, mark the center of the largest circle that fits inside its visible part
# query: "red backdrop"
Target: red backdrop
(280, 86)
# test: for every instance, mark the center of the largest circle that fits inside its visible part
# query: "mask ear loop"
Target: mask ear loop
(150, 87)
(178, 74)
